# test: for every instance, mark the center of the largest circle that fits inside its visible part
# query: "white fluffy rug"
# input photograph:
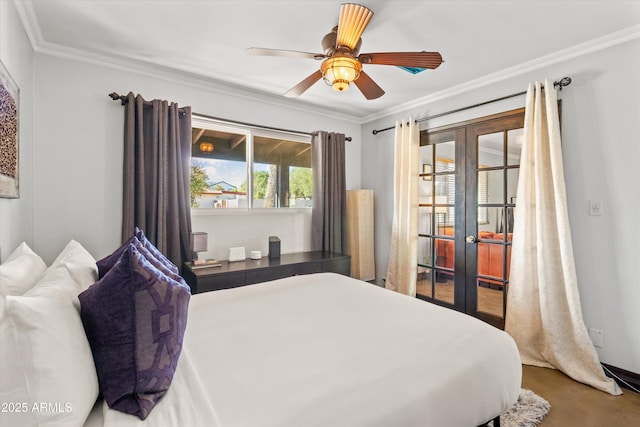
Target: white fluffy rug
(528, 411)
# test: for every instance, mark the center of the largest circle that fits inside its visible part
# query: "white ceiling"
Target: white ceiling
(480, 40)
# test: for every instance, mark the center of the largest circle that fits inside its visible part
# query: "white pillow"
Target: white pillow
(80, 263)
(20, 271)
(46, 353)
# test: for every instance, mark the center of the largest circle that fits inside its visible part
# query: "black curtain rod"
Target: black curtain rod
(565, 81)
(123, 101)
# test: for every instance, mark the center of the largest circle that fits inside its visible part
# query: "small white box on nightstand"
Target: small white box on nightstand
(237, 254)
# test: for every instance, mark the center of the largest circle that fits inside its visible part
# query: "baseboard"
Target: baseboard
(630, 378)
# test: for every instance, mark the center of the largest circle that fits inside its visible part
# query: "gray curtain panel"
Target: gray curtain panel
(328, 215)
(157, 157)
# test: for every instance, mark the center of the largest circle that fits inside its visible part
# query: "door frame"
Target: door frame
(465, 264)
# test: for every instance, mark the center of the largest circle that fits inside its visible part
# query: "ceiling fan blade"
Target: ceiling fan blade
(301, 87)
(283, 52)
(406, 59)
(368, 87)
(353, 20)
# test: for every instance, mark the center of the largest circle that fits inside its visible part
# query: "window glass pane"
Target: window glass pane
(491, 150)
(514, 145)
(281, 173)
(218, 169)
(225, 157)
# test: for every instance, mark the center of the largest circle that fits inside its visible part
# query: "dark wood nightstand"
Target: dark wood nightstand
(249, 271)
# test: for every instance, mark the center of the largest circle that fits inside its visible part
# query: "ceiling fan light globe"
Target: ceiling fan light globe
(340, 85)
(340, 71)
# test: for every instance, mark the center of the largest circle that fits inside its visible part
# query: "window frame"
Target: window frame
(250, 132)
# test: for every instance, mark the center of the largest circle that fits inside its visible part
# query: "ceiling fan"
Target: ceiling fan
(342, 60)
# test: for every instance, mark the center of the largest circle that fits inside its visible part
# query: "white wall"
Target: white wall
(78, 156)
(16, 218)
(600, 130)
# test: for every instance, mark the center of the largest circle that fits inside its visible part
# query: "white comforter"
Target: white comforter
(327, 350)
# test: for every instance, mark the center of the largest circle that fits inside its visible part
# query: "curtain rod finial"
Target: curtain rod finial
(115, 97)
(565, 81)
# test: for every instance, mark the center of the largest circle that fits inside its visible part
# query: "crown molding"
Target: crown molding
(591, 46)
(113, 60)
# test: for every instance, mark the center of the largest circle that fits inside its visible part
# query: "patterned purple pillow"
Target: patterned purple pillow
(166, 269)
(106, 263)
(156, 253)
(135, 318)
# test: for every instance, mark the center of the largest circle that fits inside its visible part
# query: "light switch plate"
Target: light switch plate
(595, 207)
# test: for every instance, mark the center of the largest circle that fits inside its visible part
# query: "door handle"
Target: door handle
(471, 239)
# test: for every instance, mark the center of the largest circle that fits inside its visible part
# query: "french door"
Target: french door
(467, 199)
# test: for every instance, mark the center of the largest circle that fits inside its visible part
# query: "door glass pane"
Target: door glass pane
(426, 158)
(512, 184)
(425, 182)
(514, 146)
(425, 220)
(445, 253)
(490, 298)
(444, 286)
(424, 283)
(445, 201)
(491, 258)
(445, 258)
(425, 252)
(495, 186)
(446, 153)
(491, 150)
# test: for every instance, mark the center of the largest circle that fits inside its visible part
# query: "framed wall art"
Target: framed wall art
(9, 134)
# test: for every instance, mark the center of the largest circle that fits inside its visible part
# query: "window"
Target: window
(233, 167)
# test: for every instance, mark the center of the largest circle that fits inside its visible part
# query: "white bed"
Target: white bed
(314, 350)
(328, 350)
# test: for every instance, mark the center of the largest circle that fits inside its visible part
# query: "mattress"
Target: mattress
(328, 350)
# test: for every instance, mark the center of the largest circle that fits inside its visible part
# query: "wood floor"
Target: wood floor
(575, 404)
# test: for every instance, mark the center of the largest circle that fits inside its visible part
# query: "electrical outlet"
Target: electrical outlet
(595, 207)
(597, 337)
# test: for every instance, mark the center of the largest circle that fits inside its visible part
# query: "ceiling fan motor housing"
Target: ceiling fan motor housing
(330, 46)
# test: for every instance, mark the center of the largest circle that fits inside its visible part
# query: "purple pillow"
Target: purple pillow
(135, 318)
(106, 263)
(156, 253)
(157, 263)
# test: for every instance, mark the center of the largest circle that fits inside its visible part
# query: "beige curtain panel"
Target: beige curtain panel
(403, 254)
(543, 311)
